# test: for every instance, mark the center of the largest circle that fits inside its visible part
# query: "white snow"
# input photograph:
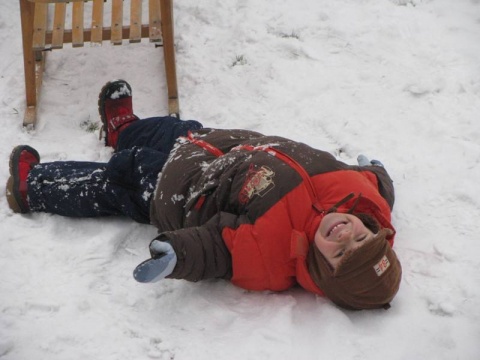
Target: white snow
(397, 80)
(177, 197)
(121, 91)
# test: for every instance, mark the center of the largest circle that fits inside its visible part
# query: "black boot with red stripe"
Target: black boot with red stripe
(22, 159)
(116, 110)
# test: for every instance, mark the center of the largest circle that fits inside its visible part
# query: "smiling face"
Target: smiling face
(339, 233)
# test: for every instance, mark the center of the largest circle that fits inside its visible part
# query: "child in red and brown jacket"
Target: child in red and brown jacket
(265, 212)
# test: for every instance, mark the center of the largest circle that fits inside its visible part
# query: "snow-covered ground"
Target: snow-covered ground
(397, 80)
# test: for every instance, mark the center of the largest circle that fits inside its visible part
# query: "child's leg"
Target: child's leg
(123, 186)
(158, 133)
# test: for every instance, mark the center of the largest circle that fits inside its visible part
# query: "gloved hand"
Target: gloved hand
(161, 264)
(363, 161)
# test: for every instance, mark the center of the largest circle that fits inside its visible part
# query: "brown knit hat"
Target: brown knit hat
(367, 278)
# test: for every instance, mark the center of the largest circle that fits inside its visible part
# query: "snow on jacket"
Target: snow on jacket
(243, 206)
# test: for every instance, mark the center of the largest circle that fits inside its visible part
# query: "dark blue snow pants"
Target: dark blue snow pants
(123, 186)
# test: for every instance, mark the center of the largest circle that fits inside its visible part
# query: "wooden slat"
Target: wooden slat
(155, 21)
(77, 24)
(117, 21)
(106, 34)
(97, 22)
(136, 21)
(58, 26)
(55, 1)
(40, 26)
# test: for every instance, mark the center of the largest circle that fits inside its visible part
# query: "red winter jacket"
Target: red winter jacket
(239, 205)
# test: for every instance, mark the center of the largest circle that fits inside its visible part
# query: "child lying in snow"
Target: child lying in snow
(262, 211)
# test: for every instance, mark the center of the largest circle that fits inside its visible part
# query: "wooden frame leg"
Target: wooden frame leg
(27, 10)
(169, 56)
(33, 61)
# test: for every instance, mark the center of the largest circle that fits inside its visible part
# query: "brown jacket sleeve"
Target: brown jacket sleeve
(201, 251)
(385, 183)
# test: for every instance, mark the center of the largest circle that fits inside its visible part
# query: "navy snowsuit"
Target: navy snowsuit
(123, 186)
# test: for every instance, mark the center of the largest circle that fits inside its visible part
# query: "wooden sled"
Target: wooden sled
(44, 28)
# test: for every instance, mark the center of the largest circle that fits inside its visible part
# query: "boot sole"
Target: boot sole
(14, 198)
